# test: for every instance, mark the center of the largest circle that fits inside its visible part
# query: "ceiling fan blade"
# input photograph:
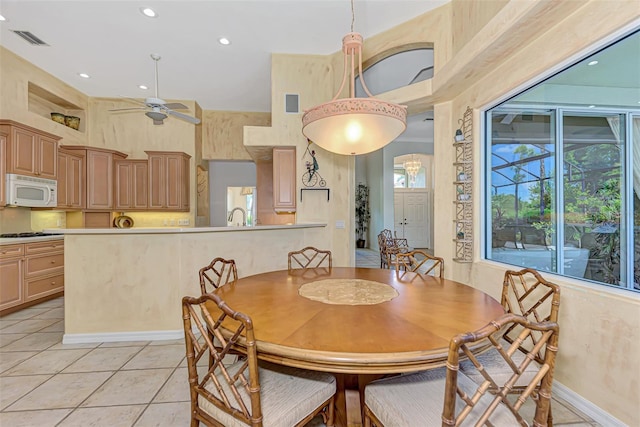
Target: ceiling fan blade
(129, 109)
(176, 106)
(190, 119)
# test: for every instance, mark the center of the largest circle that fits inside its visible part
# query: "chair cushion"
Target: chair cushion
(287, 395)
(497, 367)
(418, 399)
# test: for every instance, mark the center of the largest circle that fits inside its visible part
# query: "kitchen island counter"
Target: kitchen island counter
(178, 230)
(127, 284)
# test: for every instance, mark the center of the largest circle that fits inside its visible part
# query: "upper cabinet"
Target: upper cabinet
(131, 184)
(284, 179)
(71, 180)
(30, 151)
(99, 172)
(168, 180)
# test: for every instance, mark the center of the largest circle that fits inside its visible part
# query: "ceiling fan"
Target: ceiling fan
(158, 109)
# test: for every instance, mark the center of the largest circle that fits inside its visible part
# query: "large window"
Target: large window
(563, 171)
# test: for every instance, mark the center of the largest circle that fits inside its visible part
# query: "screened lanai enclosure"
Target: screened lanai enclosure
(563, 171)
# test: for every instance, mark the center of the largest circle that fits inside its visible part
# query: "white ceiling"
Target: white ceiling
(112, 42)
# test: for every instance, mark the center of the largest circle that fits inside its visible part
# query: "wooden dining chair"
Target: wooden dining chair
(446, 396)
(245, 393)
(309, 257)
(219, 272)
(420, 262)
(528, 294)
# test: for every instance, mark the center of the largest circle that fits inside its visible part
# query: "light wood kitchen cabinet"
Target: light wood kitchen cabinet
(11, 276)
(168, 180)
(131, 184)
(3, 168)
(44, 269)
(30, 151)
(71, 180)
(99, 172)
(30, 272)
(284, 179)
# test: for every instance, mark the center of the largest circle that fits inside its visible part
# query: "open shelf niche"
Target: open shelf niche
(43, 103)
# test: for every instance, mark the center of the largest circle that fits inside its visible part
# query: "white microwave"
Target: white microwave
(31, 192)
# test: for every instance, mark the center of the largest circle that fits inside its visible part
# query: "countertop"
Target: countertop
(17, 240)
(175, 230)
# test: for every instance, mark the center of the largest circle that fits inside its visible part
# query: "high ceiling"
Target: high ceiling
(112, 42)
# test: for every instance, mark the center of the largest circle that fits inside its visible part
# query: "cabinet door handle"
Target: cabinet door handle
(53, 262)
(53, 283)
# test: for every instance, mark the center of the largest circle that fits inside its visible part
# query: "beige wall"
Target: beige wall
(223, 133)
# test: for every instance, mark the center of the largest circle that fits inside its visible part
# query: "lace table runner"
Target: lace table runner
(348, 291)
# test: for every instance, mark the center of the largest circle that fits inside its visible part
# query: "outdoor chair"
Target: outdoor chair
(244, 393)
(309, 257)
(219, 272)
(446, 396)
(420, 262)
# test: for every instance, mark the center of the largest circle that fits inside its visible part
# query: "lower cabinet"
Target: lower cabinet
(30, 272)
(11, 275)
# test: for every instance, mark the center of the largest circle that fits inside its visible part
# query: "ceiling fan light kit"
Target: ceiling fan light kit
(354, 125)
(157, 108)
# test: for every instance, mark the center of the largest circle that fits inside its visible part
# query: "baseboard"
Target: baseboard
(592, 411)
(122, 336)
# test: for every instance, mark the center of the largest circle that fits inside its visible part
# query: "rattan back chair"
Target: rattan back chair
(219, 272)
(446, 396)
(243, 393)
(528, 294)
(309, 257)
(420, 262)
(389, 246)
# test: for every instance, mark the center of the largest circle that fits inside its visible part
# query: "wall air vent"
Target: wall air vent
(29, 37)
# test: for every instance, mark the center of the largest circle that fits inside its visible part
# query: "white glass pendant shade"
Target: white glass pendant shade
(354, 125)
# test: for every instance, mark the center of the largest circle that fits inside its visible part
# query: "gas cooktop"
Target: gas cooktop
(27, 234)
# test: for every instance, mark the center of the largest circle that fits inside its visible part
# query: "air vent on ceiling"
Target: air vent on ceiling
(29, 37)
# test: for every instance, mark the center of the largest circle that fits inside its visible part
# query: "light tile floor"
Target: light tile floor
(45, 383)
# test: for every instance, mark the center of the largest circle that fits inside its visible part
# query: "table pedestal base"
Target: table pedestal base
(350, 398)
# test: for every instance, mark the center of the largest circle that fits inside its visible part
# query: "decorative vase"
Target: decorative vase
(72, 121)
(58, 118)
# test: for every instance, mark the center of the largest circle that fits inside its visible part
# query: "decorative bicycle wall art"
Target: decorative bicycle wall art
(311, 177)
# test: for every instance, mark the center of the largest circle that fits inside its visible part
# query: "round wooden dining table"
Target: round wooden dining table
(358, 323)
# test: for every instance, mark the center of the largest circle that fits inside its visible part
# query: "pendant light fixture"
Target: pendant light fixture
(354, 125)
(412, 167)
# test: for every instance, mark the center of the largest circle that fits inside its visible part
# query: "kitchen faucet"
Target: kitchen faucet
(244, 215)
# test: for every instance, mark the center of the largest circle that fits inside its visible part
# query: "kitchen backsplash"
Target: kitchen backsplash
(16, 220)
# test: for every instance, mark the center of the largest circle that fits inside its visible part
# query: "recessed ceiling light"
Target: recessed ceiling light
(84, 75)
(592, 106)
(2, 18)
(143, 87)
(592, 63)
(223, 40)
(147, 11)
